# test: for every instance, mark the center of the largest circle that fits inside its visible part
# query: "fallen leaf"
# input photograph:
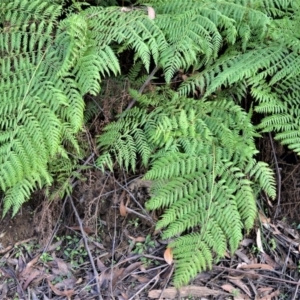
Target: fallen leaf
(141, 279)
(4, 289)
(55, 246)
(33, 274)
(271, 296)
(258, 241)
(87, 230)
(188, 291)
(151, 12)
(263, 219)
(228, 288)
(124, 295)
(117, 275)
(67, 293)
(140, 239)
(29, 273)
(246, 242)
(98, 245)
(257, 266)
(142, 268)
(2, 251)
(79, 280)
(132, 267)
(270, 261)
(123, 207)
(63, 267)
(104, 278)
(32, 262)
(237, 295)
(265, 289)
(168, 256)
(66, 283)
(100, 265)
(21, 263)
(11, 261)
(241, 285)
(243, 256)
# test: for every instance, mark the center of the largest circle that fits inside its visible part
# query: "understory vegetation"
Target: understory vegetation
(207, 79)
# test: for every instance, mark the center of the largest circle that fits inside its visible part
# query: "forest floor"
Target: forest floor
(46, 254)
(56, 249)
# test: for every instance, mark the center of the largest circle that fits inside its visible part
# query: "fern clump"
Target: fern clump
(268, 71)
(47, 64)
(46, 67)
(201, 159)
(196, 140)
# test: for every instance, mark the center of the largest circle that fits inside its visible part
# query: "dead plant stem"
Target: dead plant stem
(286, 260)
(261, 275)
(87, 248)
(278, 176)
(296, 291)
(156, 278)
(149, 78)
(167, 281)
(63, 206)
(113, 251)
(132, 196)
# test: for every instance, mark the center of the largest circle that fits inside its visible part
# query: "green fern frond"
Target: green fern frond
(262, 173)
(128, 138)
(20, 192)
(135, 71)
(105, 161)
(47, 65)
(201, 156)
(192, 254)
(63, 168)
(201, 153)
(197, 142)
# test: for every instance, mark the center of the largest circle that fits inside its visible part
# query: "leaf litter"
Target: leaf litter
(131, 262)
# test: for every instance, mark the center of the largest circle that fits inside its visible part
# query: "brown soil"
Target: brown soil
(16, 229)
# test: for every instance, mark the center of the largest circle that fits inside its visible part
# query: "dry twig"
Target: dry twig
(149, 78)
(278, 176)
(87, 248)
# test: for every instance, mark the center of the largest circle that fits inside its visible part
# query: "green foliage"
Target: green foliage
(201, 153)
(193, 136)
(34, 111)
(46, 67)
(268, 70)
(201, 157)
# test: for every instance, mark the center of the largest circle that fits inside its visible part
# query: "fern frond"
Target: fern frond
(128, 139)
(201, 156)
(20, 193)
(46, 66)
(192, 255)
